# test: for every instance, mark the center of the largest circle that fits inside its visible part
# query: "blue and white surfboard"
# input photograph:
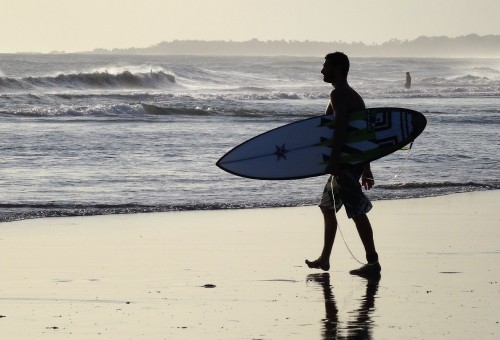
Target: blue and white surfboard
(302, 149)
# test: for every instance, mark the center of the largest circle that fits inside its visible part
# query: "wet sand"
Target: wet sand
(241, 275)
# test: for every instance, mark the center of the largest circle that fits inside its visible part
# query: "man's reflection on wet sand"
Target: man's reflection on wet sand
(361, 325)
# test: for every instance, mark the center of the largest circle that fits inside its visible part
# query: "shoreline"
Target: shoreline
(129, 209)
(240, 274)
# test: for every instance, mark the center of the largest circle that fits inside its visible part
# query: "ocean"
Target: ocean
(107, 134)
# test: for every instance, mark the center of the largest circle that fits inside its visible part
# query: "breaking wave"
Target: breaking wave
(457, 81)
(16, 212)
(93, 80)
(143, 111)
(430, 185)
(167, 111)
(428, 189)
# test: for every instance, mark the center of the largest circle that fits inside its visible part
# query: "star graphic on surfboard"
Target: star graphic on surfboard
(280, 152)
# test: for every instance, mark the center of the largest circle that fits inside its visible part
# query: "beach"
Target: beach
(240, 274)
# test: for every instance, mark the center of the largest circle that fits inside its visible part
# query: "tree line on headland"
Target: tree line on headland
(471, 45)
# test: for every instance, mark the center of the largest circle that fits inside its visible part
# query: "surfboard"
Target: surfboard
(302, 149)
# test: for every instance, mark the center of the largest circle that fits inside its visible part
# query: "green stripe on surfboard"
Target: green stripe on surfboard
(355, 136)
(353, 116)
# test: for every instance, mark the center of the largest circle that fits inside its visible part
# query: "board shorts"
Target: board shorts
(346, 191)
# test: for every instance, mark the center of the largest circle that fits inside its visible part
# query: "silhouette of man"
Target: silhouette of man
(343, 187)
(408, 80)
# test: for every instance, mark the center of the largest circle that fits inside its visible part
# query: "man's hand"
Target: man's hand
(367, 180)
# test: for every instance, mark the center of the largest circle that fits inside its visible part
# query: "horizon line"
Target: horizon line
(288, 41)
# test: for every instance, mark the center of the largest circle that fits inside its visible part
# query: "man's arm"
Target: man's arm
(340, 121)
(367, 180)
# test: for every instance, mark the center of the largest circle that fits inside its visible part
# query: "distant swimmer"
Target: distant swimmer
(408, 80)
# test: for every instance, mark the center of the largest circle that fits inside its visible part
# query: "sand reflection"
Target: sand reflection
(360, 324)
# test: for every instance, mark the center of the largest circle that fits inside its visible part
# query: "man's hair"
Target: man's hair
(339, 59)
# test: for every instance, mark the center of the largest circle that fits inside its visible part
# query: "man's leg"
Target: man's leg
(330, 221)
(372, 269)
(366, 234)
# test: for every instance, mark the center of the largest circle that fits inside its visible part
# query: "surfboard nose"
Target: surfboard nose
(419, 123)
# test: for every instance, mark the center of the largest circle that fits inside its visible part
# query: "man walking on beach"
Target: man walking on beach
(343, 186)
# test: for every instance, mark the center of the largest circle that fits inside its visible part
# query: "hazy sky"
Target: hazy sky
(78, 25)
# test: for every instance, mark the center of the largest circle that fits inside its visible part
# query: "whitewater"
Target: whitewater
(105, 134)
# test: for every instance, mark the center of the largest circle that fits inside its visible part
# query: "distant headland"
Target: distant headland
(466, 46)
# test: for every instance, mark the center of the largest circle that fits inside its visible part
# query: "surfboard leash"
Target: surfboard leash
(335, 209)
(338, 224)
(404, 162)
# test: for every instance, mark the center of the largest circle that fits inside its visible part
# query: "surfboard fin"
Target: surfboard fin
(407, 147)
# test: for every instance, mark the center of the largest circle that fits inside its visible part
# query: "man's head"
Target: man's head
(336, 66)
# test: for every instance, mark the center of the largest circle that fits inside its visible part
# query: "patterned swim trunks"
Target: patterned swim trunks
(346, 190)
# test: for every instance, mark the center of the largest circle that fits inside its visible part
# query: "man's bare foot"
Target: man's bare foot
(318, 264)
